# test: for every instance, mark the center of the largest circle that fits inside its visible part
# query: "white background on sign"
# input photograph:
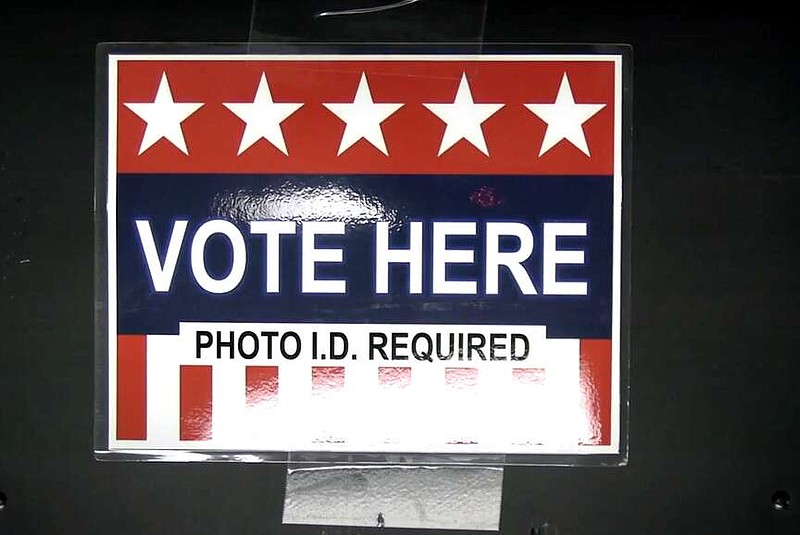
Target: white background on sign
(492, 414)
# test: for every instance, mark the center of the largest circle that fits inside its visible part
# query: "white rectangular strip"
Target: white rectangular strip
(456, 497)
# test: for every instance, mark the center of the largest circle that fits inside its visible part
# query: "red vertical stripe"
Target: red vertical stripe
(396, 377)
(131, 387)
(596, 390)
(528, 376)
(195, 403)
(261, 384)
(461, 377)
(327, 379)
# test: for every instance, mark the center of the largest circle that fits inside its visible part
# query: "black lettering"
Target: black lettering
(399, 345)
(475, 341)
(526, 344)
(422, 355)
(439, 353)
(378, 346)
(241, 345)
(221, 344)
(269, 335)
(338, 355)
(297, 345)
(495, 346)
(203, 339)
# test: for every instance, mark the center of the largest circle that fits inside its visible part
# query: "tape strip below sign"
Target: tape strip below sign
(417, 497)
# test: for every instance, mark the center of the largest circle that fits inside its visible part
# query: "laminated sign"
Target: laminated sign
(379, 253)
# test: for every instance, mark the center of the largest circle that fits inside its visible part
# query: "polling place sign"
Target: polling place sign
(348, 253)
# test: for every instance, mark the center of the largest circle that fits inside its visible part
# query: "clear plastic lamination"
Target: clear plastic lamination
(375, 21)
(362, 254)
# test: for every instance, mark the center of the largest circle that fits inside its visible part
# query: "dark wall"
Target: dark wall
(715, 291)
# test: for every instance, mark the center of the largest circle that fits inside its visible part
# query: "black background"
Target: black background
(714, 429)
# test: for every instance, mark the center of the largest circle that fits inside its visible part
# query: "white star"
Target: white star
(163, 117)
(463, 118)
(565, 119)
(263, 117)
(363, 118)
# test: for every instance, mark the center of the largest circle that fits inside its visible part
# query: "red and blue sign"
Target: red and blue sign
(363, 253)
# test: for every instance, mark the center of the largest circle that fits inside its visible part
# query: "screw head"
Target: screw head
(781, 500)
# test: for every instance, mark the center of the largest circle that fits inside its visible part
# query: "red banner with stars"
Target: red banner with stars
(366, 116)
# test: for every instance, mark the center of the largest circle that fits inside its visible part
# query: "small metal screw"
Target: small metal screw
(781, 500)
